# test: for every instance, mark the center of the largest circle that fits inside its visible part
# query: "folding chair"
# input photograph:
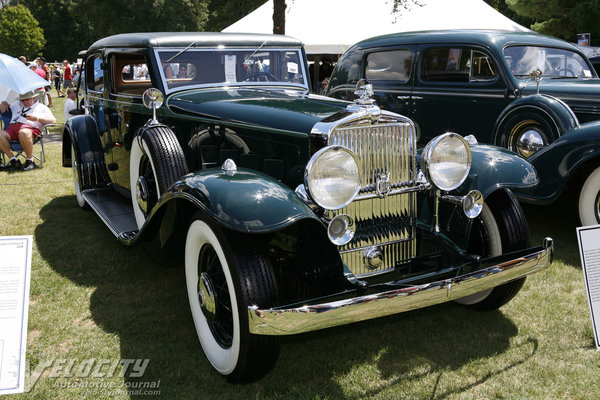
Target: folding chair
(19, 152)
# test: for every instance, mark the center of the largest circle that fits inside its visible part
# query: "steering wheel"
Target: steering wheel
(255, 77)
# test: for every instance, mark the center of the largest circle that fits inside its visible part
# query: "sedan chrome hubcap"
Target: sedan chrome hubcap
(529, 143)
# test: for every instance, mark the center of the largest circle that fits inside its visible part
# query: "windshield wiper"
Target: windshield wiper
(182, 51)
(255, 51)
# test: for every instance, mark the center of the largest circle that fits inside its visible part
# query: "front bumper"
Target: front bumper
(288, 321)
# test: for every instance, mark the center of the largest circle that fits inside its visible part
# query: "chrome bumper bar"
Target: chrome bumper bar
(288, 321)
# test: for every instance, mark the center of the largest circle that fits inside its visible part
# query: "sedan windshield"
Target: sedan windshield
(185, 68)
(553, 62)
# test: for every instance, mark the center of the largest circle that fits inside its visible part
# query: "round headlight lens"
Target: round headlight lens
(447, 161)
(332, 177)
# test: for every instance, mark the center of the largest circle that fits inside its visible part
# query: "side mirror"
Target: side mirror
(153, 99)
(537, 77)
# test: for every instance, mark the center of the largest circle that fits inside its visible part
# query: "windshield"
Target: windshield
(200, 67)
(553, 62)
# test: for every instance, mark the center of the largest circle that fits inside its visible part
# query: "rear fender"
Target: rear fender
(82, 132)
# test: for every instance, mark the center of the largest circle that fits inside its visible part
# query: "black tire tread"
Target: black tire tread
(514, 233)
(256, 284)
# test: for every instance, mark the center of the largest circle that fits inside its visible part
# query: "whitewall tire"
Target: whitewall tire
(589, 200)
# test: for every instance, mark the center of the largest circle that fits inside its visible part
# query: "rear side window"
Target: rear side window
(457, 64)
(389, 66)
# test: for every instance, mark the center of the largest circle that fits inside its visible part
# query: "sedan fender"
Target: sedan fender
(558, 163)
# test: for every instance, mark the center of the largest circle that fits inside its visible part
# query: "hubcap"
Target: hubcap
(207, 297)
(141, 191)
(530, 142)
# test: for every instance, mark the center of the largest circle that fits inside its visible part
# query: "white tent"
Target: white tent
(332, 26)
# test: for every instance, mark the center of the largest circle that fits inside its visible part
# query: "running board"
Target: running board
(114, 209)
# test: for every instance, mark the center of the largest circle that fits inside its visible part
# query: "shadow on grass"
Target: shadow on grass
(145, 305)
(559, 221)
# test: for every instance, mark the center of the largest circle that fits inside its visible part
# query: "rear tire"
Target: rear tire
(501, 228)
(77, 180)
(222, 281)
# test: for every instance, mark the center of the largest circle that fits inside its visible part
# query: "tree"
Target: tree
(561, 18)
(73, 25)
(20, 32)
(279, 17)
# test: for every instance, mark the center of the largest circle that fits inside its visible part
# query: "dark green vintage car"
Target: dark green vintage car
(523, 91)
(291, 212)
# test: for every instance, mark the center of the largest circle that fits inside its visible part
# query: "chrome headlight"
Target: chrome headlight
(446, 161)
(332, 177)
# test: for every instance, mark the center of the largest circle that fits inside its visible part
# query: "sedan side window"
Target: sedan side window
(449, 64)
(389, 66)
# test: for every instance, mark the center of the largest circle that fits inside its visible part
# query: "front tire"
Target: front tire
(156, 162)
(500, 228)
(589, 200)
(222, 282)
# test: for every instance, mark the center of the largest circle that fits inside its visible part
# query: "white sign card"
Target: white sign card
(15, 274)
(230, 68)
(589, 251)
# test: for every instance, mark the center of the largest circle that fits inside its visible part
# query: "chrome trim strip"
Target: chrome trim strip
(319, 316)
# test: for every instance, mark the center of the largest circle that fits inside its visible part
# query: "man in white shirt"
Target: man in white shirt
(70, 103)
(28, 118)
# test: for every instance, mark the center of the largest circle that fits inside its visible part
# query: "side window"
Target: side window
(131, 74)
(389, 66)
(484, 68)
(457, 64)
(95, 74)
(446, 64)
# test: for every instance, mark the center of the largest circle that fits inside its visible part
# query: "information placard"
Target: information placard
(589, 251)
(15, 273)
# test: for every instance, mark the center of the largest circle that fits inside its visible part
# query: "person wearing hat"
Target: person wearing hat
(28, 118)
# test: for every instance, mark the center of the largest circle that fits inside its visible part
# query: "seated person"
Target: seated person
(28, 118)
(5, 117)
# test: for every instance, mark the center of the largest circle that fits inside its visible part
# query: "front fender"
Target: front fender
(555, 110)
(245, 201)
(558, 163)
(493, 168)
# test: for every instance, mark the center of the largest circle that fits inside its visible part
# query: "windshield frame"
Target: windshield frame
(526, 74)
(251, 50)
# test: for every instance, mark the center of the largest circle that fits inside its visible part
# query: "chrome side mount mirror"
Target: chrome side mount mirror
(537, 77)
(153, 99)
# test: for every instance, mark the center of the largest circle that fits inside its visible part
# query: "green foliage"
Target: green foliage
(73, 25)
(20, 32)
(561, 18)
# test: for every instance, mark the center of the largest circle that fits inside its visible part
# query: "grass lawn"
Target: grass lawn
(93, 298)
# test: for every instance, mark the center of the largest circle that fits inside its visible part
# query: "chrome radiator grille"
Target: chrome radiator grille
(385, 152)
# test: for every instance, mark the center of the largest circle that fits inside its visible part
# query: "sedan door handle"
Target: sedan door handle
(403, 98)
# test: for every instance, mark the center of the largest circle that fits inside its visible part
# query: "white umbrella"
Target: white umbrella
(17, 76)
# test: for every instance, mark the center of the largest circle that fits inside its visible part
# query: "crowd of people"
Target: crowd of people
(24, 120)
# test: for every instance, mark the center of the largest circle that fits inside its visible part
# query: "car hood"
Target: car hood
(565, 89)
(281, 109)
